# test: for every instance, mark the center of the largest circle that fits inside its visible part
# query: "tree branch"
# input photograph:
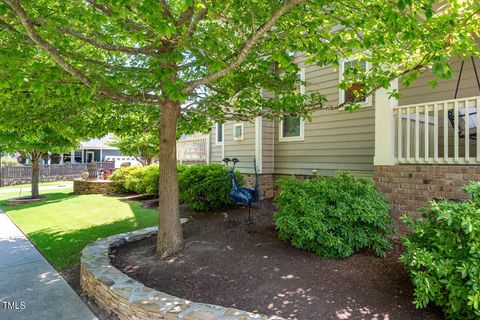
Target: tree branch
(149, 99)
(247, 47)
(147, 50)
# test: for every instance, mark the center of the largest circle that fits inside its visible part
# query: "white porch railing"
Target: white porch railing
(440, 132)
(192, 150)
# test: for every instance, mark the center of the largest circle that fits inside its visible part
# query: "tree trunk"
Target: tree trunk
(170, 236)
(35, 175)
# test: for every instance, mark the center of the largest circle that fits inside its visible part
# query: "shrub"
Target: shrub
(206, 187)
(443, 256)
(137, 179)
(119, 178)
(333, 216)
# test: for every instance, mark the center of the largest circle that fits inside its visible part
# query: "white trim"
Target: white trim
(216, 134)
(301, 137)
(341, 92)
(101, 155)
(240, 124)
(259, 143)
(207, 146)
(385, 126)
(223, 141)
(90, 152)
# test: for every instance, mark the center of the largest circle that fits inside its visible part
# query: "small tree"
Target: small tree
(194, 61)
(36, 119)
(143, 146)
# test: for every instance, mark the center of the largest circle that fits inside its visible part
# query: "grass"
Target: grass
(64, 224)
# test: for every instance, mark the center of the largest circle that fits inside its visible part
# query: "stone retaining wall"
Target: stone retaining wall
(81, 186)
(410, 187)
(129, 299)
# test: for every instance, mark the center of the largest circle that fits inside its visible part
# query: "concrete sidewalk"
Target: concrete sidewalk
(30, 288)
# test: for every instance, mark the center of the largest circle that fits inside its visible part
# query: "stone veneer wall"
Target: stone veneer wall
(410, 187)
(81, 186)
(131, 300)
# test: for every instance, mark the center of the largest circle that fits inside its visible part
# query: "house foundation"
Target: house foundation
(410, 187)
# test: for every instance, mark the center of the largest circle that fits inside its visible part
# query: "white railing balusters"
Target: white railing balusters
(399, 134)
(407, 147)
(456, 131)
(445, 131)
(435, 132)
(426, 154)
(417, 133)
(458, 119)
(467, 131)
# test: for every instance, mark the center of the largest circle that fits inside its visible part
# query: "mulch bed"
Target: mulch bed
(247, 267)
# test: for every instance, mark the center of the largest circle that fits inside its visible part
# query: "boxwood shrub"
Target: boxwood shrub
(206, 187)
(443, 255)
(202, 187)
(333, 216)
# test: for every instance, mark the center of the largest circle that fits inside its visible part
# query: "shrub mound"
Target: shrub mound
(202, 187)
(206, 187)
(137, 179)
(333, 216)
(443, 255)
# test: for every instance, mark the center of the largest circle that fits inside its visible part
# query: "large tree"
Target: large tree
(190, 61)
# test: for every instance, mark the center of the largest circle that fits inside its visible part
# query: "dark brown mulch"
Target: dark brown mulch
(227, 263)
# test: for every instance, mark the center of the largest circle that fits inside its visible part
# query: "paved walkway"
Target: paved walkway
(30, 288)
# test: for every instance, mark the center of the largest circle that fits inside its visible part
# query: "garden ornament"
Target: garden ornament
(243, 196)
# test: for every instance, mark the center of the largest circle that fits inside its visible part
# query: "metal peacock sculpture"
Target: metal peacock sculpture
(243, 196)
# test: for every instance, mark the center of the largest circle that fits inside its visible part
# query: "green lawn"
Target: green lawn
(65, 223)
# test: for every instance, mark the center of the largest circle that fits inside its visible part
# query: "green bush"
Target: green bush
(443, 256)
(119, 177)
(137, 179)
(333, 216)
(206, 187)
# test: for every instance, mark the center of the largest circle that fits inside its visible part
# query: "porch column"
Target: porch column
(101, 155)
(83, 156)
(385, 126)
(72, 156)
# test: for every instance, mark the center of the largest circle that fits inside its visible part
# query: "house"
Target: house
(415, 148)
(94, 150)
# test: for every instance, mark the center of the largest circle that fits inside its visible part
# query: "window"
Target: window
(219, 133)
(292, 128)
(238, 131)
(354, 92)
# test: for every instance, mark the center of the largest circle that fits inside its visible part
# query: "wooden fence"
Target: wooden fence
(48, 170)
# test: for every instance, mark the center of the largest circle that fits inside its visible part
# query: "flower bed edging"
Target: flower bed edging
(130, 299)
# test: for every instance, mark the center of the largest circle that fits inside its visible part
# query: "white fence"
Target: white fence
(440, 132)
(192, 150)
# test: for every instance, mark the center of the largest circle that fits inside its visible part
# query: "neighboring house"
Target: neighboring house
(94, 150)
(411, 147)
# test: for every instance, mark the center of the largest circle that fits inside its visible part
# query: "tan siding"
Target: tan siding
(334, 140)
(420, 91)
(268, 146)
(244, 149)
(215, 150)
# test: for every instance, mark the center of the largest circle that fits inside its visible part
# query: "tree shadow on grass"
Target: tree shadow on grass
(63, 248)
(53, 197)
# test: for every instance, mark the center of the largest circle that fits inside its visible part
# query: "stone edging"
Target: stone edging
(24, 200)
(81, 187)
(130, 299)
